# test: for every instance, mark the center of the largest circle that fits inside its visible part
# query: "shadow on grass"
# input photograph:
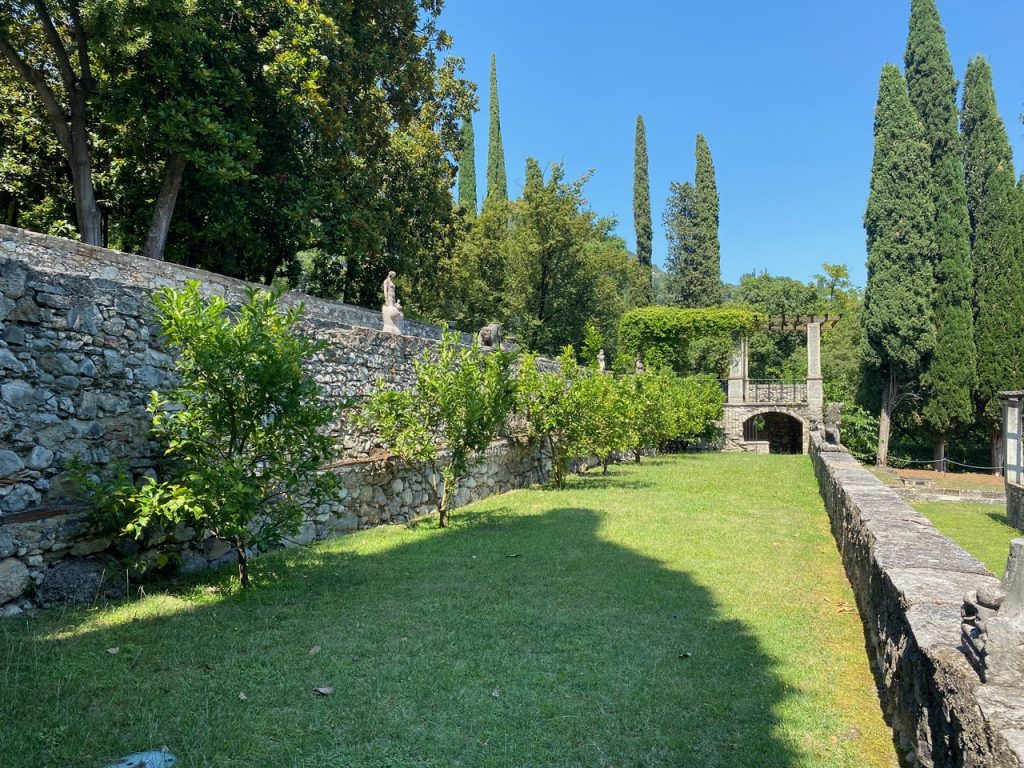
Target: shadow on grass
(506, 640)
(999, 517)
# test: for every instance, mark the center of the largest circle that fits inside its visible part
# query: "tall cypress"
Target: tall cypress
(900, 217)
(467, 167)
(682, 270)
(708, 252)
(642, 204)
(950, 377)
(996, 251)
(497, 182)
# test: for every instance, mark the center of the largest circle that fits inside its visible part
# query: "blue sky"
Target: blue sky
(783, 91)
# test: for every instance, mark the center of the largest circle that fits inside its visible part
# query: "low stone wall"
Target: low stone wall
(910, 582)
(1015, 505)
(79, 355)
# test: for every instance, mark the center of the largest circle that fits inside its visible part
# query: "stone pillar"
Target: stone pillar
(738, 373)
(815, 391)
(1012, 437)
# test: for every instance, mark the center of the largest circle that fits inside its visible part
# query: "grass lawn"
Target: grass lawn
(688, 612)
(981, 529)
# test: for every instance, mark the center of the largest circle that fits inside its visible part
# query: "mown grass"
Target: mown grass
(688, 612)
(981, 529)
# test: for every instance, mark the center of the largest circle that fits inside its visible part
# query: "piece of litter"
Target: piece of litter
(685, 655)
(325, 691)
(155, 758)
(496, 693)
(314, 650)
(242, 696)
(515, 555)
(113, 651)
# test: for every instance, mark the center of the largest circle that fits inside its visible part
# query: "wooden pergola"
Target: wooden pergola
(799, 322)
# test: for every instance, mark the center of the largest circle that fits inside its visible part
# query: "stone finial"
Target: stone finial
(992, 626)
(490, 336)
(600, 361)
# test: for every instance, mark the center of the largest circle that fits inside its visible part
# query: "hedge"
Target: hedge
(666, 336)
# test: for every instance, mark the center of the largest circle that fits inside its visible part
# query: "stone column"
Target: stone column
(1011, 435)
(738, 372)
(815, 391)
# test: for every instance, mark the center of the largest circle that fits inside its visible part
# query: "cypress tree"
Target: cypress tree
(950, 377)
(996, 252)
(497, 183)
(680, 219)
(467, 167)
(897, 322)
(707, 259)
(642, 205)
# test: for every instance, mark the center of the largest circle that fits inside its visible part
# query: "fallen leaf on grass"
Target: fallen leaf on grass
(324, 691)
(242, 696)
(685, 655)
(314, 650)
(496, 693)
(515, 555)
(113, 651)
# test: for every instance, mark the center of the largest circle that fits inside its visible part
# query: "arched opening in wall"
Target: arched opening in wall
(782, 432)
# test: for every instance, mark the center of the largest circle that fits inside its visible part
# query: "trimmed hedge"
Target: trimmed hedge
(686, 340)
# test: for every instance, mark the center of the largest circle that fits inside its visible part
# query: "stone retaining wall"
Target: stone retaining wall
(78, 358)
(910, 582)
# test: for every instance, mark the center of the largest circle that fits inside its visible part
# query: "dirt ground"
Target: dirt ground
(954, 479)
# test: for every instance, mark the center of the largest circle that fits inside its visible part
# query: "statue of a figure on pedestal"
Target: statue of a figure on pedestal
(391, 312)
(600, 361)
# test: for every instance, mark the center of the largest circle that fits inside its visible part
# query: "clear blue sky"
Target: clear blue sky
(783, 91)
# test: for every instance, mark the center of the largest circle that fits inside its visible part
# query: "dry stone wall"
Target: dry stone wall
(78, 357)
(910, 582)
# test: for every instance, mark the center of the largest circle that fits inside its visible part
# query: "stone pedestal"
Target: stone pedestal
(392, 317)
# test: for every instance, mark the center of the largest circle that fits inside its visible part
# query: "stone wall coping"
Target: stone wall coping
(91, 261)
(910, 581)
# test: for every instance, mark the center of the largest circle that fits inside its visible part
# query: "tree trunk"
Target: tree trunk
(884, 422)
(604, 465)
(243, 562)
(163, 211)
(87, 210)
(998, 459)
(636, 455)
(939, 454)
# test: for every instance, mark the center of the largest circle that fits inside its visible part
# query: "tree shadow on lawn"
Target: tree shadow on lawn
(505, 640)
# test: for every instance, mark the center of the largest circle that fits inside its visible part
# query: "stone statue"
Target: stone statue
(490, 336)
(391, 312)
(833, 417)
(600, 361)
(992, 625)
(389, 290)
(639, 365)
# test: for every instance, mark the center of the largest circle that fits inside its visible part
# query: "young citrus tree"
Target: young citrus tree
(553, 405)
(460, 400)
(606, 413)
(245, 426)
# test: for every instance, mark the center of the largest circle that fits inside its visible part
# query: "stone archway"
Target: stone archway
(783, 432)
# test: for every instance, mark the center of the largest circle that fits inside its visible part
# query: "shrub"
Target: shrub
(553, 406)
(245, 426)
(459, 402)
